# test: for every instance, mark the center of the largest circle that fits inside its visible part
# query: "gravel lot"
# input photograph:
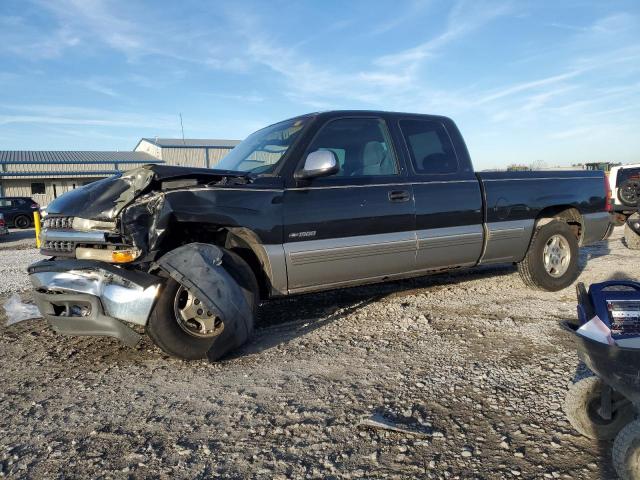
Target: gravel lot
(472, 362)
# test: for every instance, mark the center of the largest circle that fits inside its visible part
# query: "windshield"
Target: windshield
(261, 151)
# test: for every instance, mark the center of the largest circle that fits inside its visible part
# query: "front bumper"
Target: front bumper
(82, 297)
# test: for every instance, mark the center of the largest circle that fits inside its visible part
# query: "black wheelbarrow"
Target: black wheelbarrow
(606, 406)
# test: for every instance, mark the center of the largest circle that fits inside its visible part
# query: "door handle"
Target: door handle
(399, 196)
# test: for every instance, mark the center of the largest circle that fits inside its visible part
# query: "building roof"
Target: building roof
(73, 157)
(191, 142)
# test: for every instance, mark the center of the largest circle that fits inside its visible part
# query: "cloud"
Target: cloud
(524, 86)
(99, 87)
(69, 115)
(414, 8)
(390, 80)
(464, 18)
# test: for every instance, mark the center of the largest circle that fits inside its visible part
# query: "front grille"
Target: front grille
(57, 223)
(61, 247)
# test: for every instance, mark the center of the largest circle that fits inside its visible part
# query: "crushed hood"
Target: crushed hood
(104, 199)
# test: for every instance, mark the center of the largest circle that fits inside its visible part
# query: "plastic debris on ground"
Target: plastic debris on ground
(18, 311)
(378, 421)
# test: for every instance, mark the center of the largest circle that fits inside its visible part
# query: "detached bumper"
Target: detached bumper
(80, 297)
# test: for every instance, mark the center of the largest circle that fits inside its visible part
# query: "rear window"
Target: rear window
(429, 146)
(627, 173)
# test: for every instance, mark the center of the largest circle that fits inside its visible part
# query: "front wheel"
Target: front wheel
(581, 407)
(551, 262)
(183, 327)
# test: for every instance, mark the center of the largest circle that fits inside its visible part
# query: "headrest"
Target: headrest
(374, 153)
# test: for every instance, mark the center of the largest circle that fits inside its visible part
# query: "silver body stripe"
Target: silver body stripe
(315, 263)
(449, 246)
(507, 241)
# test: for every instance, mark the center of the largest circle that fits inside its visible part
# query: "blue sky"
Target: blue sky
(527, 82)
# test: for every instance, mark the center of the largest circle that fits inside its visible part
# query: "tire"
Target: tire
(580, 406)
(631, 238)
(626, 452)
(22, 221)
(165, 331)
(532, 267)
(628, 192)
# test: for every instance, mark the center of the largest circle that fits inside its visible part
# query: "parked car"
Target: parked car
(18, 211)
(624, 182)
(3, 226)
(318, 202)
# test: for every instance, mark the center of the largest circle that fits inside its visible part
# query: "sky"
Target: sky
(541, 82)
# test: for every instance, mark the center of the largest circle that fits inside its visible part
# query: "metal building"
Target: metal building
(190, 152)
(45, 175)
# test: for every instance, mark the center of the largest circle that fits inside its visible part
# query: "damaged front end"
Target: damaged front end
(81, 297)
(103, 239)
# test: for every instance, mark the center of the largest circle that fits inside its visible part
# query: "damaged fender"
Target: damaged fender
(199, 268)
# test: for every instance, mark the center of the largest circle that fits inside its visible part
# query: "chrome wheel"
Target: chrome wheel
(556, 255)
(193, 317)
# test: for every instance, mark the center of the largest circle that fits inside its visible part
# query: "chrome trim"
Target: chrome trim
(86, 225)
(73, 236)
(507, 241)
(120, 298)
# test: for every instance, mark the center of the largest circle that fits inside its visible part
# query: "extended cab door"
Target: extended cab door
(354, 226)
(447, 193)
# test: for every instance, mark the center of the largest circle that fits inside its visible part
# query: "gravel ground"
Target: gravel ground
(18, 240)
(472, 362)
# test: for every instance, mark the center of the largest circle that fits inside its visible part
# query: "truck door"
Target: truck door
(447, 193)
(357, 225)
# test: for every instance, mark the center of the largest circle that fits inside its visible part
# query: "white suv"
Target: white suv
(624, 182)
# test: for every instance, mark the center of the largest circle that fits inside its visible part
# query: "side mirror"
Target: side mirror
(320, 163)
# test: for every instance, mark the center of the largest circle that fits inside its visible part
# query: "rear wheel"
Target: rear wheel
(581, 407)
(183, 327)
(551, 262)
(628, 192)
(626, 452)
(21, 221)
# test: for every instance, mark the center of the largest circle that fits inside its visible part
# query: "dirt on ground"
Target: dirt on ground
(471, 366)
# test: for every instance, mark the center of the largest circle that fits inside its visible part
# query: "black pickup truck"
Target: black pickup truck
(320, 201)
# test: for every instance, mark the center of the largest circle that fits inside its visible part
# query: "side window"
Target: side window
(429, 146)
(5, 203)
(362, 146)
(37, 188)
